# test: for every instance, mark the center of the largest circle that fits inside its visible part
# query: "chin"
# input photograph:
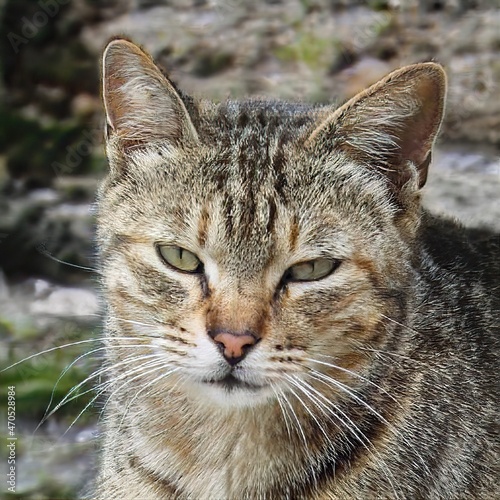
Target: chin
(230, 393)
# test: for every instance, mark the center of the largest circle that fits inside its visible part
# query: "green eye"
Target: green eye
(180, 258)
(311, 270)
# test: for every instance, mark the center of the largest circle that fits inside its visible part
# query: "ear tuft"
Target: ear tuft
(141, 104)
(390, 126)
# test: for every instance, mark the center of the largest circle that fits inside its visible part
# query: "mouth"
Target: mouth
(231, 383)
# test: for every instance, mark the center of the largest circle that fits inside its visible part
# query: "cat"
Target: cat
(284, 319)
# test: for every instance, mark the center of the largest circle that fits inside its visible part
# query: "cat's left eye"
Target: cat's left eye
(311, 270)
(180, 258)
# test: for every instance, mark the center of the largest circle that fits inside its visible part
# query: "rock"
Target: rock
(44, 236)
(85, 106)
(322, 50)
(67, 302)
(361, 75)
(464, 183)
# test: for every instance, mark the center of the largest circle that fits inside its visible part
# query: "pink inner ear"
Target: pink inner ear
(121, 57)
(141, 104)
(418, 134)
(390, 124)
(114, 108)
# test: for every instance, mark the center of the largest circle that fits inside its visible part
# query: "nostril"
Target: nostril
(220, 345)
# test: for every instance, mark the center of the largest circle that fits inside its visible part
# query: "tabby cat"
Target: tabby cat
(284, 320)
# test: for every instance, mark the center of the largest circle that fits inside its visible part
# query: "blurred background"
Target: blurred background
(52, 158)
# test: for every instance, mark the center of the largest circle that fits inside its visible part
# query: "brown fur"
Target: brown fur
(376, 381)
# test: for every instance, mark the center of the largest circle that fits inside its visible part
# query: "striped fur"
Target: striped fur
(377, 381)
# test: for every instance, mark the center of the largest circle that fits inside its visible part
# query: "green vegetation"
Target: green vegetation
(309, 49)
(42, 380)
(40, 152)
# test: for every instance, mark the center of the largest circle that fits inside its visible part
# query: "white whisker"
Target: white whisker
(356, 431)
(70, 344)
(109, 384)
(152, 382)
(284, 412)
(142, 370)
(356, 375)
(297, 421)
(67, 398)
(296, 382)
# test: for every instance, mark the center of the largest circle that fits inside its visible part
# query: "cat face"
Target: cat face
(253, 250)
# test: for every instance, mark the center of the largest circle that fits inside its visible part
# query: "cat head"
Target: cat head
(247, 246)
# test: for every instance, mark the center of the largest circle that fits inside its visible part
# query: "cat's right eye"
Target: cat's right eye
(180, 258)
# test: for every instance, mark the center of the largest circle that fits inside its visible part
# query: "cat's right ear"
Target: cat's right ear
(141, 104)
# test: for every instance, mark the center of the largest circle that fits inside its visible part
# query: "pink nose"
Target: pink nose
(234, 346)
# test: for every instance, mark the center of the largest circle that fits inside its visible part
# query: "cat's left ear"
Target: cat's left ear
(141, 104)
(391, 126)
